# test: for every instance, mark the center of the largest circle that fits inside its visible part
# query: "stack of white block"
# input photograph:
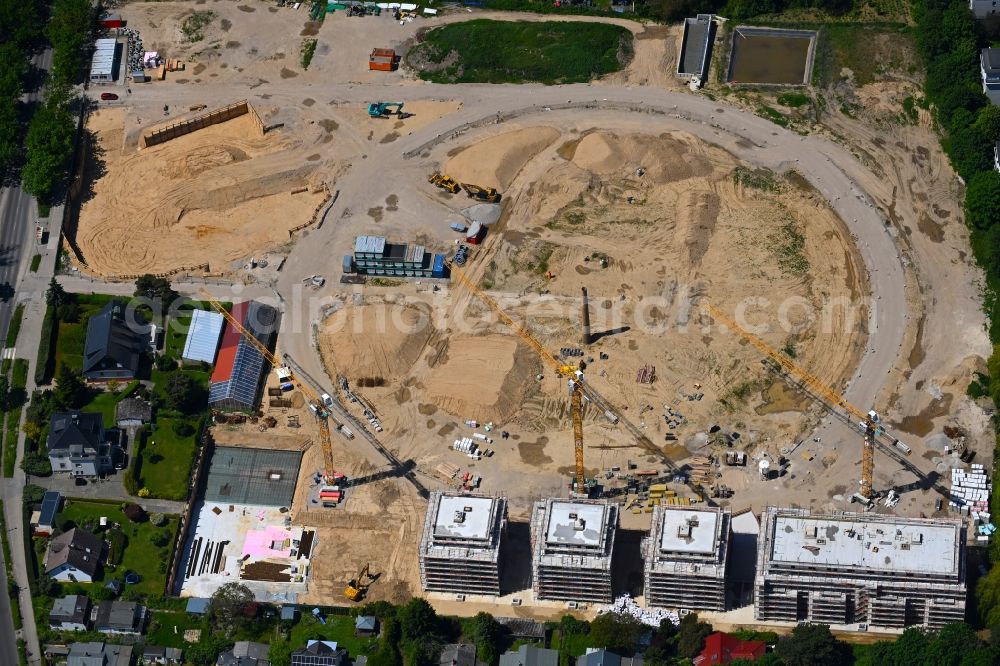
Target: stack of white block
(970, 492)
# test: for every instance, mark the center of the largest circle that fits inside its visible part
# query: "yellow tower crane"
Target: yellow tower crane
(828, 396)
(318, 406)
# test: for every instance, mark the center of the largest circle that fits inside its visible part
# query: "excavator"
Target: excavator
(444, 182)
(386, 109)
(488, 194)
(356, 589)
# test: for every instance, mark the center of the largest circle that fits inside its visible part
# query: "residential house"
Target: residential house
(114, 345)
(989, 68)
(78, 444)
(74, 556)
(245, 653)
(132, 412)
(320, 653)
(99, 654)
(45, 524)
(601, 657)
(530, 655)
(157, 654)
(70, 613)
(722, 648)
(365, 625)
(119, 617)
(459, 654)
(984, 8)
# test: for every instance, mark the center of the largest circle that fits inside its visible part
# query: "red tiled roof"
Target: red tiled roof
(722, 648)
(227, 348)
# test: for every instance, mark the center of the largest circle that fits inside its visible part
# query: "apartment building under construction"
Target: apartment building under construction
(462, 542)
(572, 546)
(849, 568)
(685, 558)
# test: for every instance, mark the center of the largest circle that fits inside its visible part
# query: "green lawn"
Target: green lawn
(15, 325)
(36, 261)
(12, 422)
(167, 460)
(140, 556)
(105, 403)
(176, 334)
(485, 51)
(162, 628)
(338, 628)
(70, 338)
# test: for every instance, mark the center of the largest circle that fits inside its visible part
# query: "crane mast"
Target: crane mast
(320, 409)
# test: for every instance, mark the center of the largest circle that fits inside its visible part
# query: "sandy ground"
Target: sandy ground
(204, 199)
(688, 229)
(567, 205)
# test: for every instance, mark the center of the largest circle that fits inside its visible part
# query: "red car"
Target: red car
(107, 97)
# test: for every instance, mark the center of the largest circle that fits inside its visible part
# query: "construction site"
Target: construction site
(651, 312)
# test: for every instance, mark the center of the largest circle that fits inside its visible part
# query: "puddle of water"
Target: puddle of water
(920, 425)
(778, 397)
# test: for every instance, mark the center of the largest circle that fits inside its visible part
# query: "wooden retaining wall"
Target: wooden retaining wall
(215, 117)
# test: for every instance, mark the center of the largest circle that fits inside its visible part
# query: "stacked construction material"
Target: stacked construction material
(970, 492)
(649, 616)
(466, 446)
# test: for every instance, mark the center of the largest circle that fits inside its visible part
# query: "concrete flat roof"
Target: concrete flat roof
(689, 531)
(565, 517)
(856, 543)
(475, 517)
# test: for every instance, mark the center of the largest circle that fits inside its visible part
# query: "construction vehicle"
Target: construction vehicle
(488, 194)
(356, 589)
(445, 183)
(386, 109)
(869, 423)
(315, 402)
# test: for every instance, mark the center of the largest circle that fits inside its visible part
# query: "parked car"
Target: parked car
(109, 97)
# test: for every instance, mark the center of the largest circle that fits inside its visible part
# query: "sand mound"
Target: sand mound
(374, 341)
(481, 377)
(600, 153)
(496, 161)
(666, 158)
(152, 209)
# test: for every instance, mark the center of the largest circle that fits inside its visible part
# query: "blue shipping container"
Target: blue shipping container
(438, 269)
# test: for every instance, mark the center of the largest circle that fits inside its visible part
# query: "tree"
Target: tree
(183, 394)
(988, 589)
(616, 632)
(417, 620)
(156, 289)
(49, 148)
(982, 200)
(226, 608)
(55, 295)
(570, 626)
(812, 645)
(691, 635)
(71, 391)
(32, 495)
(206, 650)
(490, 637)
(36, 464)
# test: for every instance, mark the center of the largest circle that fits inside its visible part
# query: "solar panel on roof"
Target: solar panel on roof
(50, 507)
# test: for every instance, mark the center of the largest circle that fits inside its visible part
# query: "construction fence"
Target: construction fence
(164, 134)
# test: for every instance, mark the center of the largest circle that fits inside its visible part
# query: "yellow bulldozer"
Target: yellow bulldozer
(357, 588)
(444, 182)
(488, 194)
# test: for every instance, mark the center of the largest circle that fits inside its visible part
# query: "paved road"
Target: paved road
(18, 215)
